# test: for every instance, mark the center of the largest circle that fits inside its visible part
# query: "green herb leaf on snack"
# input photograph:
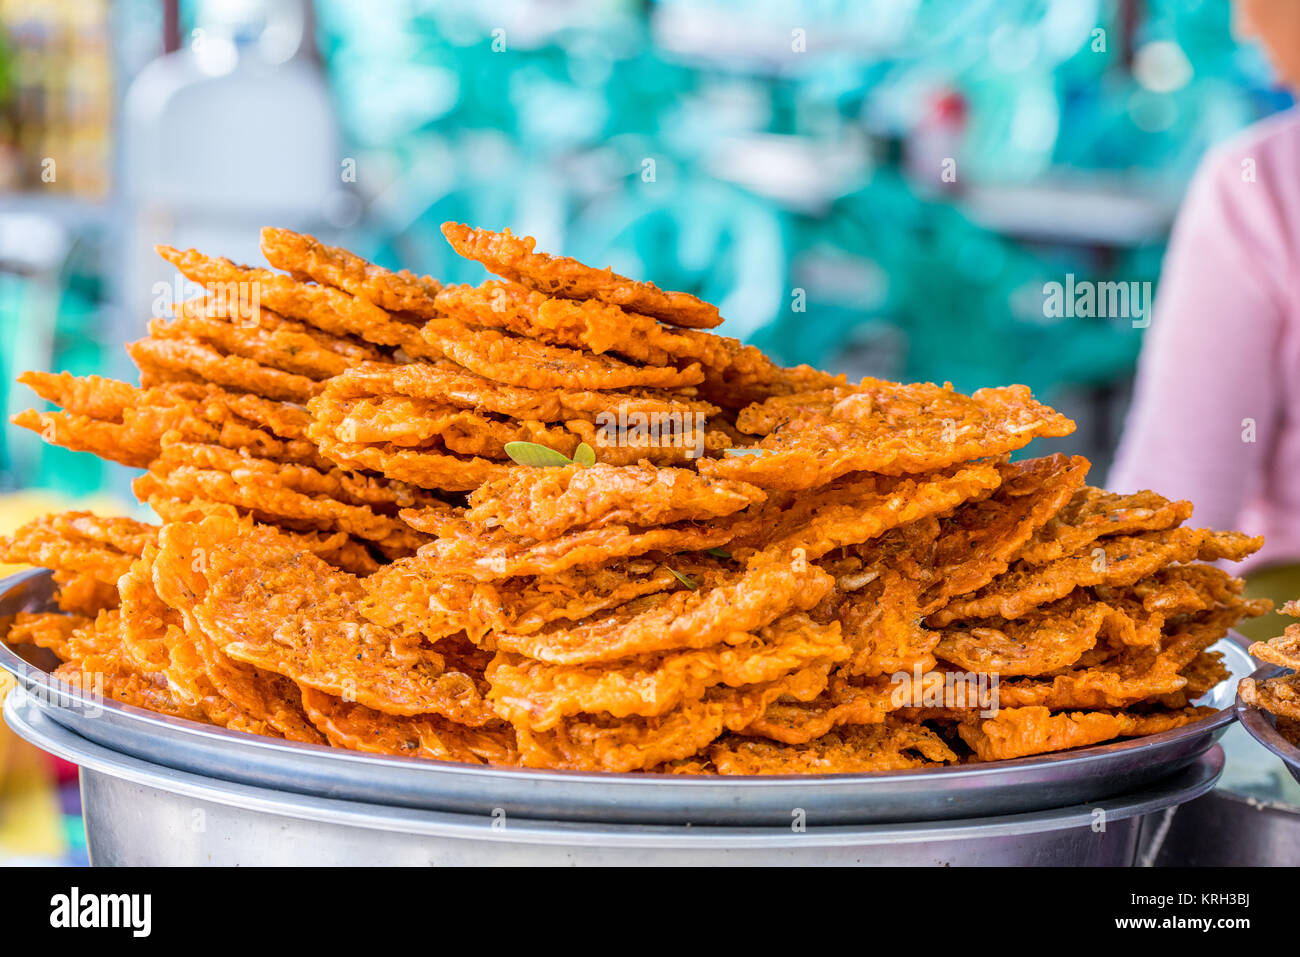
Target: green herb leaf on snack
(584, 455)
(536, 456)
(683, 579)
(718, 552)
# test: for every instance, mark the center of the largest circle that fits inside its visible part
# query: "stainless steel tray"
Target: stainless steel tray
(1261, 725)
(1006, 787)
(139, 813)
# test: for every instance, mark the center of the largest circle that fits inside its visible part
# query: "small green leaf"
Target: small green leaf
(746, 451)
(683, 579)
(535, 456)
(584, 455)
(718, 552)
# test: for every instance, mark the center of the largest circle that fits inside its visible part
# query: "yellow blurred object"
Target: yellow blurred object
(30, 822)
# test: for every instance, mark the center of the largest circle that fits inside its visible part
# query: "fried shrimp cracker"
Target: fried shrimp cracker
(424, 424)
(1279, 696)
(305, 256)
(358, 728)
(1122, 560)
(269, 340)
(338, 548)
(894, 745)
(50, 630)
(347, 487)
(463, 548)
(448, 383)
(545, 503)
(538, 695)
(328, 309)
(272, 503)
(428, 470)
(513, 258)
(601, 743)
(266, 603)
(113, 441)
(189, 360)
(258, 696)
(79, 542)
(412, 594)
(92, 395)
(1094, 513)
(1029, 646)
(979, 540)
(529, 364)
(99, 666)
(1019, 732)
(83, 595)
(726, 613)
(860, 508)
(585, 324)
(882, 626)
(842, 703)
(884, 427)
(144, 616)
(1283, 650)
(1118, 685)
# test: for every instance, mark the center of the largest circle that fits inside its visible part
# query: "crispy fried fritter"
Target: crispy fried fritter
(512, 257)
(529, 364)
(1279, 696)
(267, 604)
(694, 618)
(447, 383)
(324, 307)
(894, 745)
(1122, 560)
(1283, 650)
(601, 743)
(50, 630)
(189, 360)
(588, 324)
(79, 542)
(979, 540)
(860, 508)
(813, 438)
(1094, 513)
(358, 728)
(545, 503)
(412, 594)
(1019, 732)
(1028, 646)
(844, 702)
(306, 257)
(538, 695)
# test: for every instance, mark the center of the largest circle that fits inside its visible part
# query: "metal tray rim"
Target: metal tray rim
(38, 728)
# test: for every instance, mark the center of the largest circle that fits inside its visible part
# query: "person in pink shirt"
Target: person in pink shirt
(1216, 411)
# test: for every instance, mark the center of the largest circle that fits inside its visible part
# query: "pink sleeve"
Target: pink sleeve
(1209, 366)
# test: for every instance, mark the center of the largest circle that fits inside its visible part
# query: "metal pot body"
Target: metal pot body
(131, 824)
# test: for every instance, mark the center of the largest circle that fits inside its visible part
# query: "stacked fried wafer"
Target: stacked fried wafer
(1280, 696)
(553, 521)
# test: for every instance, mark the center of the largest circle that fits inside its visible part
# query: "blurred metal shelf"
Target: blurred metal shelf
(1090, 213)
(70, 212)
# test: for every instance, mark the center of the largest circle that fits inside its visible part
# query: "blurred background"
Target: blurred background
(878, 186)
(872, 186)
